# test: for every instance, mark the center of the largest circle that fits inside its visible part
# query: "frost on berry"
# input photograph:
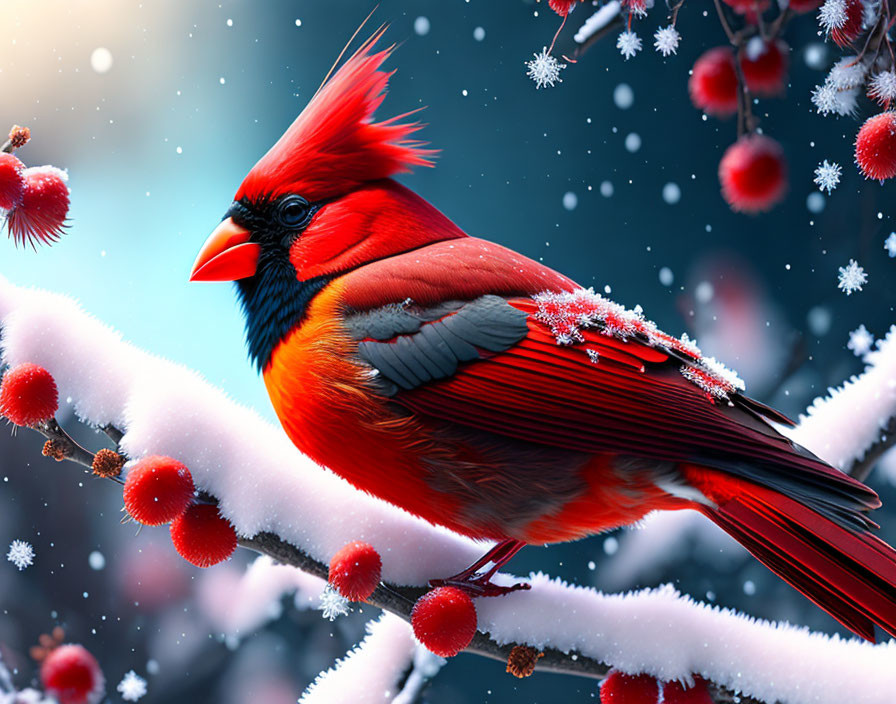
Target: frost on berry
(28, 395)
(355, 571)
(568, 315)
(753, 174)
(562, 7)
(202, 536)
(444, 621)
(882, 87)
(876, 146)
(72, 675)
(40, 217)
(841, 20)
(620, 688)
(713, 82)
(157, 490)
(677, 693)
(12, 183)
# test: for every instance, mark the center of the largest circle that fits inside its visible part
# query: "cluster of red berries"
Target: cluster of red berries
(752, 172)
(160, 490)
(35, 199)
(619, 688)
(71, 675)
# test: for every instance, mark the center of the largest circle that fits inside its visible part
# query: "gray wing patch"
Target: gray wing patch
(432, 350)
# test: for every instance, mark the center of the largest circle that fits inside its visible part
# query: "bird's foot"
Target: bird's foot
(480, 585)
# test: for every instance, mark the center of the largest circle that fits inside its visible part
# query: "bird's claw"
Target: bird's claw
(479, 586)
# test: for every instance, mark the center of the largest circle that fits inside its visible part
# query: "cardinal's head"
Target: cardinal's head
(320, 203)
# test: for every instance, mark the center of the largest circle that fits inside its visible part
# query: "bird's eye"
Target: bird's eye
(292, 211)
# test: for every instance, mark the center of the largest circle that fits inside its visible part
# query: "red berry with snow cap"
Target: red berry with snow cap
(844, 21)
(72, 675)
(12, 183)
(675, 693)
(40, 216)
(355, 571)
(713, 82)
(876, 146)
(28, 395)
(765, 67)
(157, 490)
(619, 688)
(753, 174)
(202, 536)
(444, 620)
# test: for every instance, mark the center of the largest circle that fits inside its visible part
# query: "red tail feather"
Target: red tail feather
(848, 572)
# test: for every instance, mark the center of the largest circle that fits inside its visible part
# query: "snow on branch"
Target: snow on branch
(856, 422)
(285, 506)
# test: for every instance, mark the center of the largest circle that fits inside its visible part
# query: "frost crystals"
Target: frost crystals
(132, 687)
(332, 604)
(544, 69)
(568, 314)
(852, 277)
(827, 176)
(21, 554)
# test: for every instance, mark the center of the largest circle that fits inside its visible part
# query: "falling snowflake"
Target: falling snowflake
(827, 176)
(890, 244)
(544, 69)
(882, 87)
(332, 604)
(132, 687)
(628, 44)
(860, 341)
(666, 40)
(21, 554)
(832, 15)
(852, 277)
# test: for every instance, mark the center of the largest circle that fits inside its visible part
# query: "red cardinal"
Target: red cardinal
(485, 392)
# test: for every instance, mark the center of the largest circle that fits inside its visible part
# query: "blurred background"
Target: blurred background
(157, 110)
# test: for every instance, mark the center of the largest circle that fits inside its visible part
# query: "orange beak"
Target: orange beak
(227, 255)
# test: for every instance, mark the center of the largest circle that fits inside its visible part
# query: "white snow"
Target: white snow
(132, 687)
(596, 22)
(842, 426)
(666, 40)
(827, 176)
(832, 14)
(882, 87)
(852, 277)
(890, 244)
(544, 69)
(628, 44)
(371, 672)
(164, 408)
(21, 554)
(860, 341)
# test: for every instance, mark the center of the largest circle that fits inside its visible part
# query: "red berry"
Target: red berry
(562, 7)
(202, 536)
(41, 214)
(803, 6)
(619, 688)
(766, 69)
(876, 146)
(675, 693)
(355, 571)
(12, 184)
(157, 490)
(713, 82)
(851, 26)
(28, 395)
(444, 620)
(753, 174)
(72, 675)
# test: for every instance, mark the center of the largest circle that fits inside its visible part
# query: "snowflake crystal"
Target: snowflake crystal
(890, 244)
(832, 15)
(882, 87)
(860, 341)
(332, 604)
(666, 40)
(132, 687)
(827, 176)
(852, 277)
(628, 44)
(21, 554)
(544, 69)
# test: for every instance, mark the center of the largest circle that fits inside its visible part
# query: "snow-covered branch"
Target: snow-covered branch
(283, 505)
